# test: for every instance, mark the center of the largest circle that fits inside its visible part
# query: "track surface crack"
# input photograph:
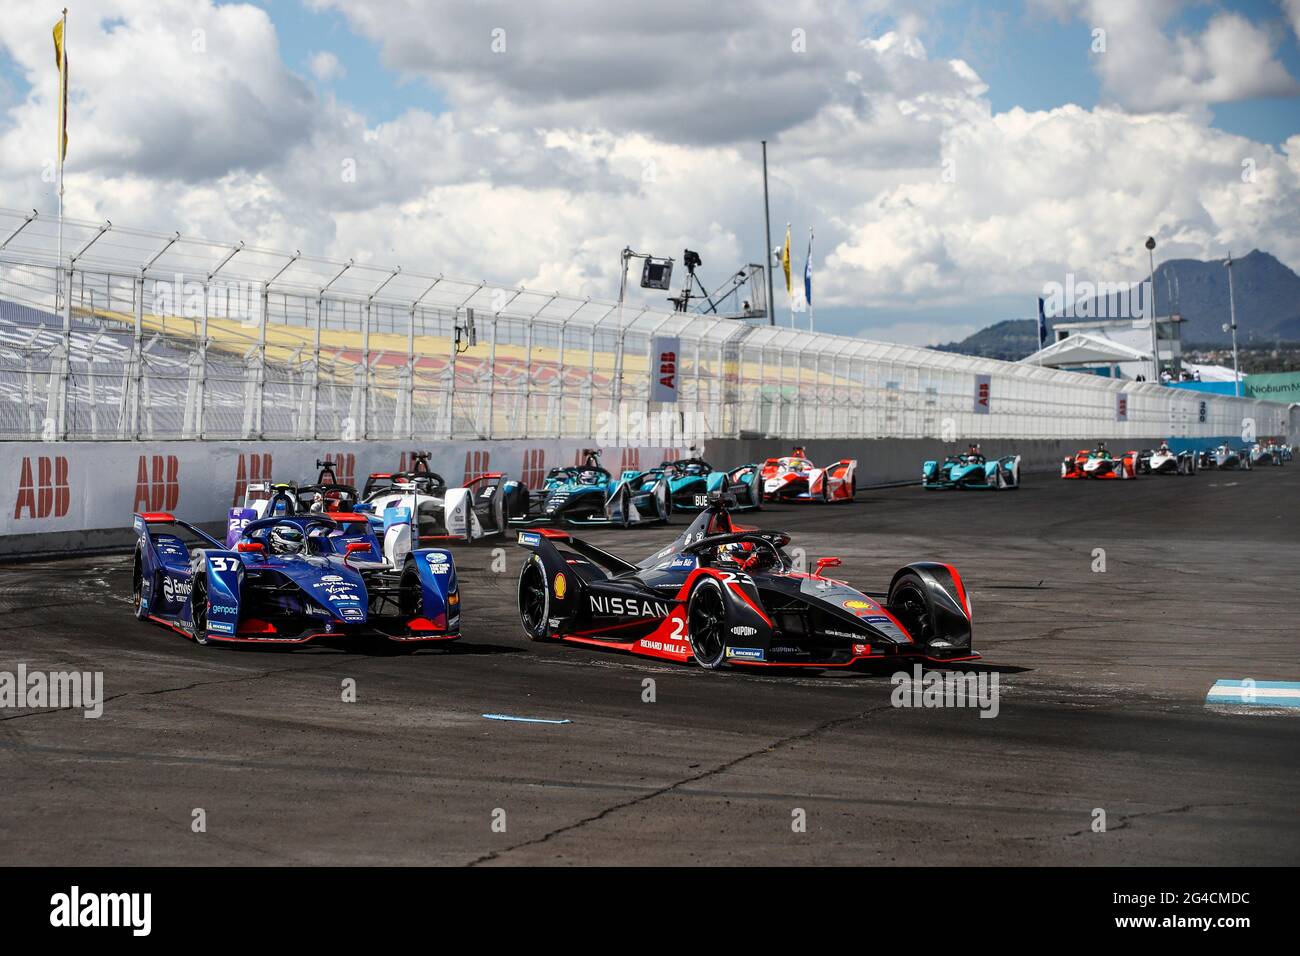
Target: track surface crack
(816, 729)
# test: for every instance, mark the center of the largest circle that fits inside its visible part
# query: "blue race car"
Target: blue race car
(972, 470)
(691, 480)
(289, 580)
(588, 494)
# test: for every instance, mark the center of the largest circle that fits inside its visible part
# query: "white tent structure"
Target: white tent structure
(1084, 350)
(1211, 373)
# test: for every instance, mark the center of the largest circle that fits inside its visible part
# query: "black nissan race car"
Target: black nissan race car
(723, 595)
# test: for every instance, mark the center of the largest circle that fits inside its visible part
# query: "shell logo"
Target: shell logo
(561, 586)
(858, 605)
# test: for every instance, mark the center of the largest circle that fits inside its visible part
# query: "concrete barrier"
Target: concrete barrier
(78, 497)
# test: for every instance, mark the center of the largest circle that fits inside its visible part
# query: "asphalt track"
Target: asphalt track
(1102, 676)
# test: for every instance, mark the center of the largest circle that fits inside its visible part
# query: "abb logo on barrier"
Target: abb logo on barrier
(157, 483)
(534, 467)
(668, 370)
(253, 467)
(630, 459)
(476, 462)
(43, 492)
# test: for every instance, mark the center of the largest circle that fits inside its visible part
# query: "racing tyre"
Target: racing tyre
(500, 517)
(706, 624)
(410, 601)
(137, 589)
(910, 601)
(665, 501)
(626, 493)
(199, 609)
(534, 600)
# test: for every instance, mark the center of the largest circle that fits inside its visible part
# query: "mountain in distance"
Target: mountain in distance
(1009, 340)
(1267, 296)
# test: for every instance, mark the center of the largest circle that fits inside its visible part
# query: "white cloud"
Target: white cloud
(1144, 68)
(544, 186)
(1038, 194)
(1292, 8)
(159, 88)
(325, 66)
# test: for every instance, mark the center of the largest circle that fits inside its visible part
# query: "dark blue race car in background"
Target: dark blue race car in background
(339, 589)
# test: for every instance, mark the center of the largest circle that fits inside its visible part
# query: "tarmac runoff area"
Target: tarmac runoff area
(1103, 678)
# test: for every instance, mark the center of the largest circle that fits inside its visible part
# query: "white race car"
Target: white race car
(416, 509)
(1164, 461)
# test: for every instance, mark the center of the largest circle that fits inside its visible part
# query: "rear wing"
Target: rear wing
(542, 540)
(144, 522)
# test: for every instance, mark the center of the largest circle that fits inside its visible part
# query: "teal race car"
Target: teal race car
(588, 494)
(689, 479)
(972, 470)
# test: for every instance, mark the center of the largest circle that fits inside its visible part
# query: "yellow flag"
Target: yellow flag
(785, 261)
(61, 61)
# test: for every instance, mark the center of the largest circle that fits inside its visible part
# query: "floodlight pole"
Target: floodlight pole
(1155, 340)
(767, 248)
(1232, 319)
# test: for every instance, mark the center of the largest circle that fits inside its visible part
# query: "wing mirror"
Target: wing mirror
(826, 563)
(254, 547)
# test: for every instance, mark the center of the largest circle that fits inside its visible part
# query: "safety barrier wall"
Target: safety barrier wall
(79, 496)
(75, 496)
(130, 335)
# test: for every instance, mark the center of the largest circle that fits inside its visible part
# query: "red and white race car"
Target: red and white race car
(1100, 463)
(795, 478)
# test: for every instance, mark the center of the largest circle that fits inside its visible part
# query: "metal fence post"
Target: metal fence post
(365, 351)
(65, 370)
(200, 410)
(314, 417)
(591, 372)
(492, 377)
(137, 404)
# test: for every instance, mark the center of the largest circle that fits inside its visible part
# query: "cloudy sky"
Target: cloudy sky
(952, 156)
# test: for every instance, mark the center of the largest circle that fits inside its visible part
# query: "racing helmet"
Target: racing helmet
(286, 538)
(747, 555)
(588, 477)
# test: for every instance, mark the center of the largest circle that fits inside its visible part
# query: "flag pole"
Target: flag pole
(59, 135)
(807, 270)
(767, 249)
(785, 270)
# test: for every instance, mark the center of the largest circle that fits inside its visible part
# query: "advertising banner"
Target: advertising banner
(665, 367)
(983, 386)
